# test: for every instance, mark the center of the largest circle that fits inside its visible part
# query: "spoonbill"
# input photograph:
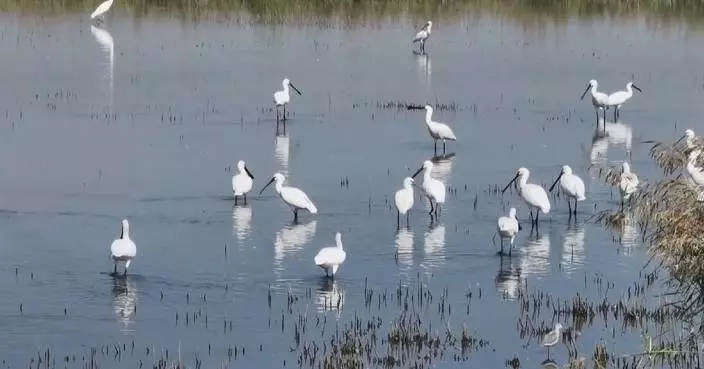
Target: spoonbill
(599, 99)
(100, 11)
(434, 189)
(292, 196)
(619, 98)
(688, 137)
(628, 183)
(572, 186)
(507, 227)
(423, 35)
(123, 250)
(330, 258)
(437, 130)
(552, 338)
(534, 195)
(282, 98)
(242, 181)
(404, 201)
(696, 172)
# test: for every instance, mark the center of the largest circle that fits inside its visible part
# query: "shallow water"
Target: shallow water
(147, 120)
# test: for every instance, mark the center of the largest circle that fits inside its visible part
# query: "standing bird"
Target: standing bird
(689, 138)
(572, 186)
(292, 196)
(101, 10)
(434, 189)
(507, 227)
(281, 98)
(404, 201)
(330, 258)
(123, 250)
(423, 35)
(619, 98)
(696, 172)
(242, 181)
(437, 130)
(534, 195)
(552, 338)
(599, 99)
(628, 183)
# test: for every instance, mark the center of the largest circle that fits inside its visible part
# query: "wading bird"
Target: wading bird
(628, 183)
(599, 99)
(404, 201)
(330, 258)
(437, 130)
(423, 36)
(552, 338)
(507, 227)
(434, 189)
(572, 186)
(242, 181)
(534, 195)
(696, 172)
(100, 11)
(282, 98)
(619, 98)
(123, 250)
(689, 138)
(292, 196)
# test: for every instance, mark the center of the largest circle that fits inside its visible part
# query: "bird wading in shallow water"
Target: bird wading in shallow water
(433, 188)
(330, 258)
(404, 201)
(422, 36)
(282, 98)
(507, 227)
(572, 186)
(100, 11)
(242, 182)
(534, 195)
(123, 250)
(599, 99)
(619, 98)
(292, 196)
(628, 183)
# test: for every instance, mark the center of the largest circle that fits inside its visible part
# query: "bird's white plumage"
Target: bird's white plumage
(330, 258)
(434, 189)
(437, 130)
(101, 9)
(534, 195)
(404, 196)
(123, 249)
(696, 172)
(507, 226)
(283, 97)
(292, 196)
(571, 184)
(628, 183)
(599, 99)
(553, 337)
(424, 33)
(689, 138)
(241, 182)
(618, 98)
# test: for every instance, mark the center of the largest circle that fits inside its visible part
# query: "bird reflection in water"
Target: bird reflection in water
(434, 244)
(241, 222)
(442, 168)
(609, 134)
(291, 239)
(425, 67)
(573, 248)
(329, 296)
(628, 233)
(535, 255)
(404, 247)
(124, 301)
(107, 45)
(281, 149)
(508, 279)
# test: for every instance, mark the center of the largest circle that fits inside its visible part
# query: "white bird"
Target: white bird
(689, 138)
(572, 186)
(281, 98)
(534, 195)
(242, 181)
(628, 183)
(404, 201)
(552, 338)
(507, 227)
(599, 99)
(696, 172)
(434, 189)
(123, 250)
(101, 9)
(437, 130)
(292, 196)
(423, 35)
(619, 98)
(330, 258)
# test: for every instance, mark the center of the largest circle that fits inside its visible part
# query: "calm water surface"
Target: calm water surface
(147, 120)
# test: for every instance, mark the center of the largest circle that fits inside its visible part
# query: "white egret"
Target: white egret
(292, 196)
(696, 172)
(423, 35)
(123, 250)
(282, 98)
(689, 138)
(100, 11)
(628, 183)
(572, 186)
(433, 188)
(619, 98)
(552, 338)
(404, 201)
(242, 181)
(534, 195)
(437, 130)
(599, 99)
(507, 227)
(330, 258)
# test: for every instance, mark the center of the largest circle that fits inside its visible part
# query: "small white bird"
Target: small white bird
(282, 98)
(242, 182)
(434, 189)
(507, 227)
(330, 258)
(404, 201)
(628, 183)
(123, 250)
(423, 36)
(572, 186)
(534, 195)
(696, 172)
(437, 130)
(619, 98)
(689, 138)
(292, 196)
(552, 338)
(101, 10)
(599, 99)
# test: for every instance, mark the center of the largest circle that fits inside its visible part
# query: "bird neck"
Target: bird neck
(125, 234)
(279, 185)
(429, 116)
(286, 88)
(522, 181)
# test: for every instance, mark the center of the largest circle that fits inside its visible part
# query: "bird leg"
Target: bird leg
(245, 198)
(398, 220)
(501, 252)
(575, 207)
(435, 146)
(114, 270)
(537, 214)
(569, 205)
(431, 207)
(443, 147)
(326, 272)
(408, 219)
(235, 200)
(295, 215)
(437, 207)
(284, 112)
